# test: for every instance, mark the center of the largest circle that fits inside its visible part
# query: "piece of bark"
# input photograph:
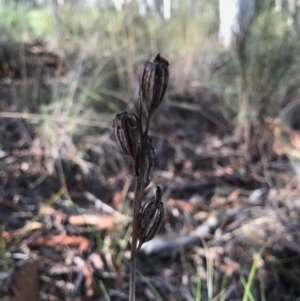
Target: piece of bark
(26, 285)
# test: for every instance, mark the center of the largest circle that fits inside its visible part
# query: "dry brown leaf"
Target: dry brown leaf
(116, 199)
(229, 266)
(61, 240)
(26, 286)
(88, 281)
(229, 170)
(183, 205)
(234, 195)
(102, 222)
(9, 235)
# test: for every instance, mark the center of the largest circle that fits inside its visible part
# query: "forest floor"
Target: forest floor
(231, 226)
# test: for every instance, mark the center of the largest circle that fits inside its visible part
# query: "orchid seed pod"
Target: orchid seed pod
(150, 219)
(153, 83)
(150, 161)
(126, 132)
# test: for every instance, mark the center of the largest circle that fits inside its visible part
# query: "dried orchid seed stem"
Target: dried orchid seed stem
(132, 138)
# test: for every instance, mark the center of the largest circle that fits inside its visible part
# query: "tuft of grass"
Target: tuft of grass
(198, 289)
(104, 291)
(248, 284)
(255, 78)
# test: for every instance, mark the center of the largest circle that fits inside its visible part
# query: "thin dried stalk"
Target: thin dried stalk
(139, 193)
(127, 127)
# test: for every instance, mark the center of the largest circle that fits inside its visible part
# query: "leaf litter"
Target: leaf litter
(221, 210)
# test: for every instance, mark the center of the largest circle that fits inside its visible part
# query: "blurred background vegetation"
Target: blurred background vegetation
(100, 49)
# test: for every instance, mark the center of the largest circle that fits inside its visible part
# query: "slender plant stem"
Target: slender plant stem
(132, 279)
(142, 157)
(147, 124)
(139, 192)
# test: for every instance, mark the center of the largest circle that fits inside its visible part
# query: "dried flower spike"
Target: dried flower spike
(150, 219)
(153, 83)
(125, 128)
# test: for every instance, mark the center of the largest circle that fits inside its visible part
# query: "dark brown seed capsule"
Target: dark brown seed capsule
(125, 129)
(150, 219)
(153, 83)
(150, 161)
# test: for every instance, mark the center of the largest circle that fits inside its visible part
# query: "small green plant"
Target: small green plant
(132, 137)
